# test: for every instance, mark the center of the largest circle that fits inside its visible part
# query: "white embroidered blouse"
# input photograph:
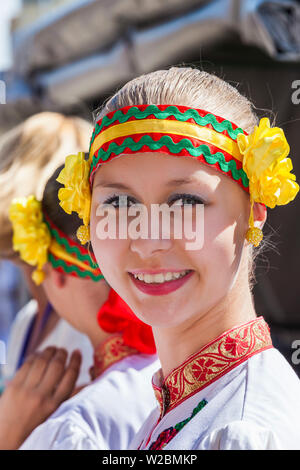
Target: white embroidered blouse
(238, 392)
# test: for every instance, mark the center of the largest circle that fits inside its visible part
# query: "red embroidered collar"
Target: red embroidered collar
(210, 363)
(108, 353)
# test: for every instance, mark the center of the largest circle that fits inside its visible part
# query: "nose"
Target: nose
(155, 235)
(147, 248)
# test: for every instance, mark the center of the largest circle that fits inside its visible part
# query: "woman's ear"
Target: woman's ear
(59, 278)
(259, 214)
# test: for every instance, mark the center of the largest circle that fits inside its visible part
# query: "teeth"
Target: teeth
(160, 278)
(147, 278)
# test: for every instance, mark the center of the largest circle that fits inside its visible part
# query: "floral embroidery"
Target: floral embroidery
(236, 347)
(165, 436)
(212, 361)
(203, 368)
(108, 353)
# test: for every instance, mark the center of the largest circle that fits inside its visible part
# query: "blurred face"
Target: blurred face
(73, 298)
(163, 282)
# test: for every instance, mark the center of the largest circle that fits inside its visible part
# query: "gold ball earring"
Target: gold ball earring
(254, 235)
(83, 234)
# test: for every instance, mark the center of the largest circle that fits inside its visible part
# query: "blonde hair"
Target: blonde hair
(186, 86)
(29, 154)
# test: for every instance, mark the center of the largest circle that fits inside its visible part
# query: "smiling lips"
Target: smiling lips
(160, 283)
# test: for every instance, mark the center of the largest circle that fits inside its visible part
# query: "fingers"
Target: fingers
(32, 369)
(46, 380)
(68, 381)
(54, 372)
(39, 366)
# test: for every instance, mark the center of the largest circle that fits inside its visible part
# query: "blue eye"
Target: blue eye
(187, 199)
(120, 201)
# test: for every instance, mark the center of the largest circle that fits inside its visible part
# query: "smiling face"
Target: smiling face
(206, 275)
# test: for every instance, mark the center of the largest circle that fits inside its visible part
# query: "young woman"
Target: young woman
(124, 350)
(183, 137)
(29, 154)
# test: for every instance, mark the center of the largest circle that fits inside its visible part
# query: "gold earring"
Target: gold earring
(83, 234)
(254, 235)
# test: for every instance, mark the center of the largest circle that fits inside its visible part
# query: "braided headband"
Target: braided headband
(38, 240)
(257, 162)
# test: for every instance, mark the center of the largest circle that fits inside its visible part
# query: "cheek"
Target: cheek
(109, 254)
(228, 246)
(223, 232)
(218, 260)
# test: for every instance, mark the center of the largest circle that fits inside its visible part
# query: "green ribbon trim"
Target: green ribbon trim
(163, 114)
(175, 149)
(180, 425)
(196, 410)
(72, 250)
(59, 263)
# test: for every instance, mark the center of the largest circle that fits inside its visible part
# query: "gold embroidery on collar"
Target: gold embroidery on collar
(212, 361)
(108, 353)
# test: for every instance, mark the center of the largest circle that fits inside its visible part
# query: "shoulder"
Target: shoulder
(125, 383)
(106, 413)
(61, 434)
(272, 389)
(241, 435)
(24, 316)
(255, 406)
(270, 415)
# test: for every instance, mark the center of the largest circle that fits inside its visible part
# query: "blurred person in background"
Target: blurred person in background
(13, 295)
(29, 154)
(109, 411)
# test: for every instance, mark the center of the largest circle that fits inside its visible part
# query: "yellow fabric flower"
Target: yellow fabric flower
(76, 195)
(266, 165)
(268, 169)
(31, 236)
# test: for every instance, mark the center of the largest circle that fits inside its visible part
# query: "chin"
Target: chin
(158, 314)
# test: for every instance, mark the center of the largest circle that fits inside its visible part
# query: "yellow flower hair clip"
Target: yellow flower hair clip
(76, 195)
(31, 236)
(266, 164)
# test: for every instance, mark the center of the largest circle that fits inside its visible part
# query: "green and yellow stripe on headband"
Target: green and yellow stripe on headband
(257, 162)
(38, 241)
(177, 130)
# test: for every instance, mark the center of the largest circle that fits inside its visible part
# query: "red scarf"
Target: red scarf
(116, 316)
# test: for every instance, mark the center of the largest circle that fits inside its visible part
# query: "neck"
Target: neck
(98, 337)
(185, 340)
(37, 292)
(92, 305)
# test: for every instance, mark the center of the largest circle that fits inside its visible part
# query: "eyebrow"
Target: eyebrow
(118, 185)
(180, 181)
(113, 185)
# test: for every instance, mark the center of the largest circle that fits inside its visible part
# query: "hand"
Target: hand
(42, 383)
